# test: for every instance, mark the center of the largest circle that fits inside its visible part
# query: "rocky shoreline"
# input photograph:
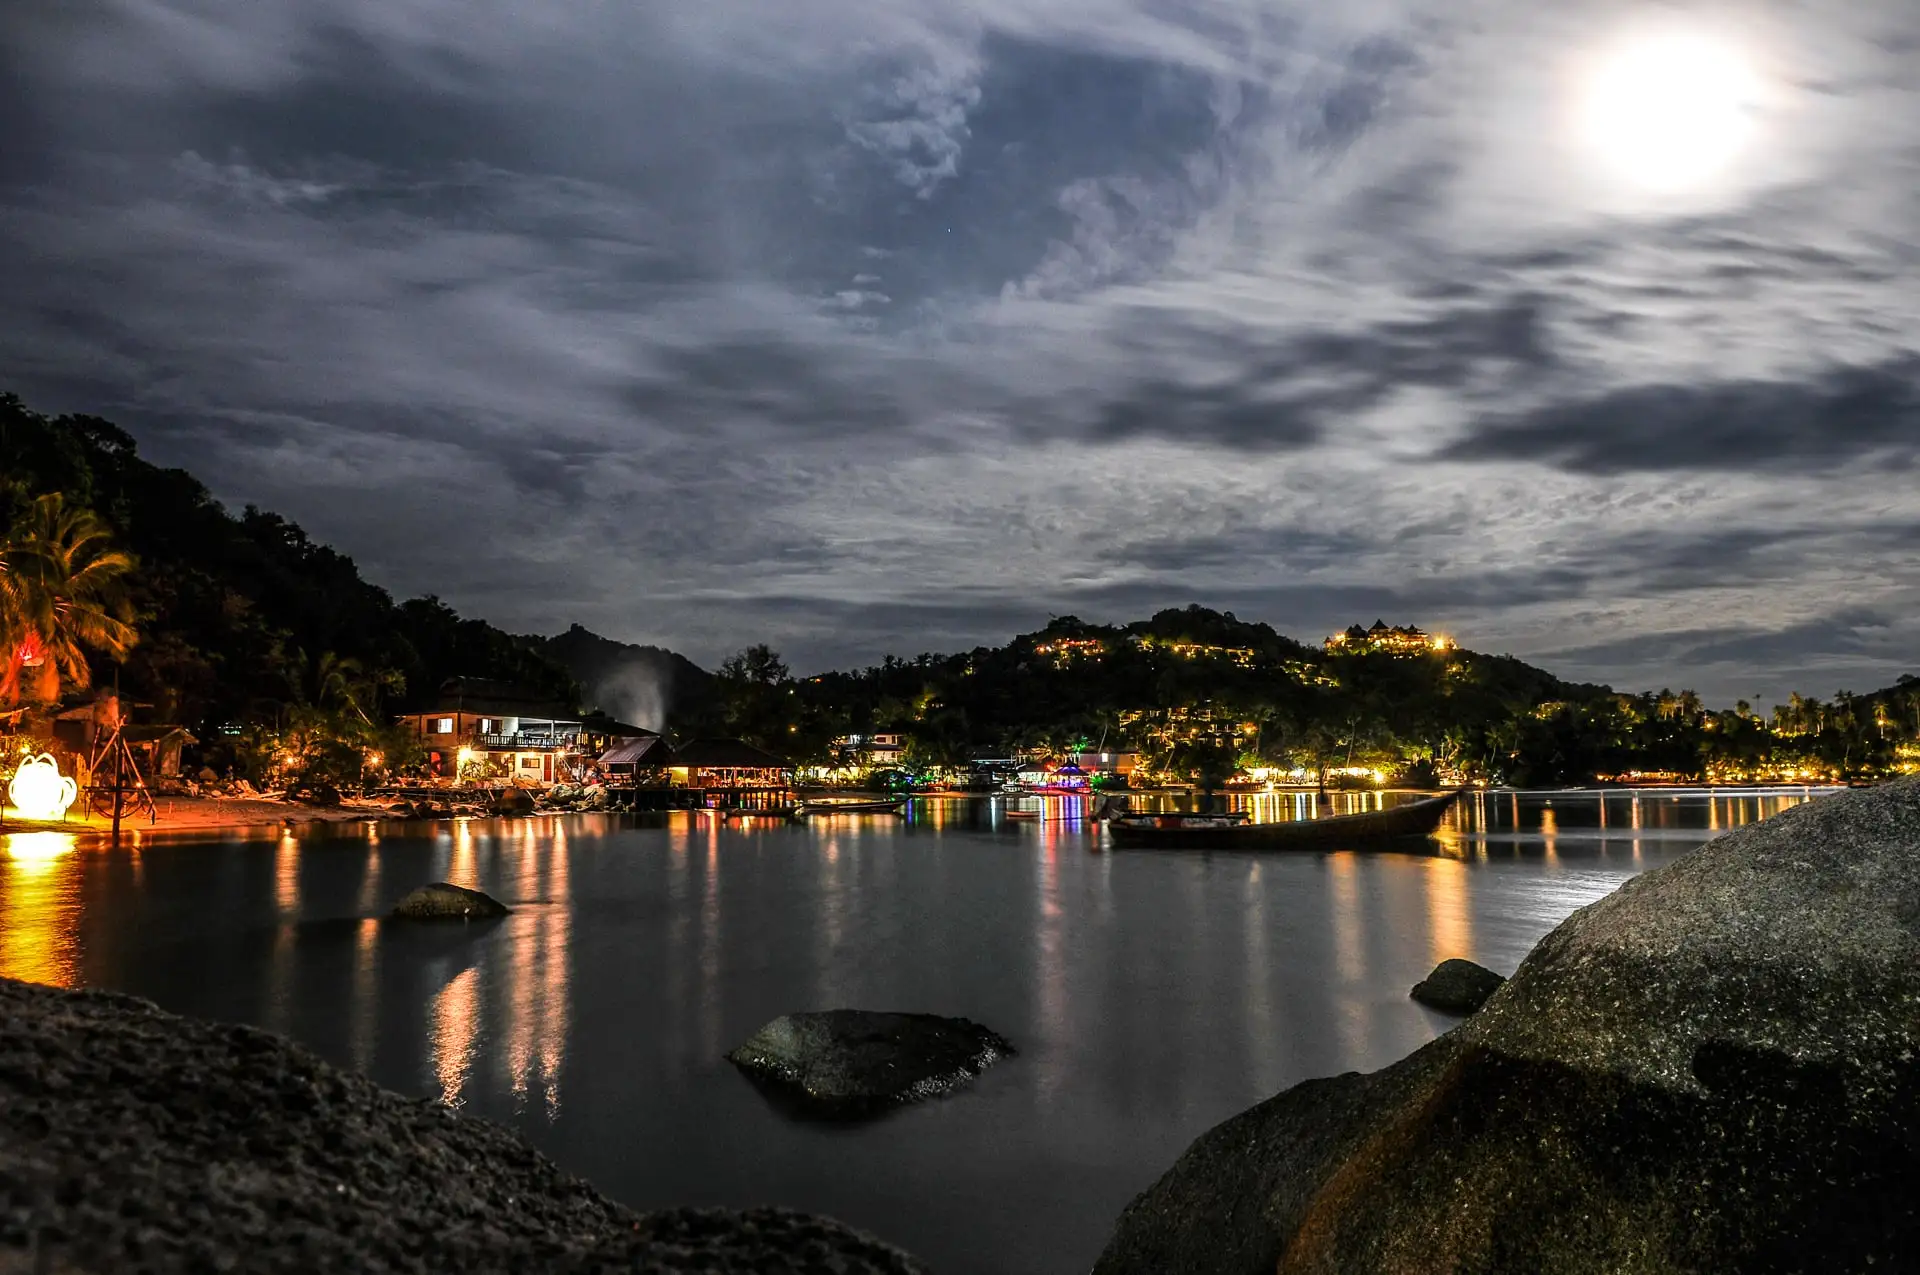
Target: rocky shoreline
(1716, 1068)
(136, 1140)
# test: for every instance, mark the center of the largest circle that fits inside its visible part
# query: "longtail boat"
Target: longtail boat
(757, 812)
(885, 806)
(1234, 832)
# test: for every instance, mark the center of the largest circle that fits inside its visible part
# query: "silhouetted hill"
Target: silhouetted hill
(238, 612)
(637, 684)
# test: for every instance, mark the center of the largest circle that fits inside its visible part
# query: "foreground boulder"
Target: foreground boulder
(444, 901)
(1457, 987)
(847, 1063)
(1716, 1068)
(131, 1139)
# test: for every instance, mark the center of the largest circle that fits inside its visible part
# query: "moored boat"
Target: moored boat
(1235, 832)
(884, 806)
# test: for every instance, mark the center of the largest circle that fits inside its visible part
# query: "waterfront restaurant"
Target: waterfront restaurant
(728, 763)
(640, 762)
(1052, 776)
(473, 720)
(599, 732)
(1107, 764)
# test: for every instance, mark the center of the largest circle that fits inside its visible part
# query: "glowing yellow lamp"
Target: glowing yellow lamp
(40, 791)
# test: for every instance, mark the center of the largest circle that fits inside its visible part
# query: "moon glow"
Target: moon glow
(1669, 112)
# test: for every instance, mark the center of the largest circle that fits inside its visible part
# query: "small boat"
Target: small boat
(758, 812)
(1023, 814)
(1236, 832)
(884, 806)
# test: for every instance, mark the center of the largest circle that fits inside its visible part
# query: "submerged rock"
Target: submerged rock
(1712, 1069)
(847, 1063)
(134, 1140)
(1457, 987)
(446, 902)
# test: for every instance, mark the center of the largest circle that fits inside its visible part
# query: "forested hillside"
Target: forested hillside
(243, 617)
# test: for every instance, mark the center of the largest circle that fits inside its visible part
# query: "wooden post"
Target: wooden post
(119, 786)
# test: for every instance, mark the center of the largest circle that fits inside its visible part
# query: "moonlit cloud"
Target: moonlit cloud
(870, 325)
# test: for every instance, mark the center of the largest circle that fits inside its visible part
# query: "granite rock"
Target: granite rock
(1457, 987)
(512, 801)
(1716, 1068)
(135, 1140)
(848, 1063)
(443, 901)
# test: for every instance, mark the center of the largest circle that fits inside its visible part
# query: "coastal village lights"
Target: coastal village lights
(40, 791)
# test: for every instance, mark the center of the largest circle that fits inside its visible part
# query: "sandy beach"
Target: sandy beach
(199, 814)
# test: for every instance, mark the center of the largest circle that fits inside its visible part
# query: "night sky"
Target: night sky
(1585, 331)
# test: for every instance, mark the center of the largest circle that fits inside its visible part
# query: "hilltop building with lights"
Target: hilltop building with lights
(1394, 640)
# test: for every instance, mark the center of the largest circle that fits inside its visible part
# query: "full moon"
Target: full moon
(1669, 112)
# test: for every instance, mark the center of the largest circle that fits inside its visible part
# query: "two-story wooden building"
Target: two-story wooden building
(494, 729)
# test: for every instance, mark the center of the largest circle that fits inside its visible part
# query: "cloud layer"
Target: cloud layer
(872, 325)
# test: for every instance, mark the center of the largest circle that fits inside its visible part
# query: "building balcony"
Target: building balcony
(526, 741)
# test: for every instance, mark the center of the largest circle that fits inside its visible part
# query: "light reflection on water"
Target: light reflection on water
(39, 875)
(1150, 994)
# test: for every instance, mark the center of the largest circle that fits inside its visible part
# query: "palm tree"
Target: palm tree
(13, 628)
(64, 590)
(342, 685)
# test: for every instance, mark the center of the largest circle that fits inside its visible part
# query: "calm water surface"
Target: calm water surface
(1150, 994)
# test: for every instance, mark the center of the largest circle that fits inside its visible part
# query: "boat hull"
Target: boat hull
(760, 812)
(853, 807)
(1415, 819)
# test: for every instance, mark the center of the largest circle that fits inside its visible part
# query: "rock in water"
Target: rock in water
(133, 1140)
(1457, 987)
(445, 902)
(1716, 1068)
(848, 1063)
(512, 801)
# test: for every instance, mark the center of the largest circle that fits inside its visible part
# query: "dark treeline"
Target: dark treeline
(264, 644)
(1203, 695)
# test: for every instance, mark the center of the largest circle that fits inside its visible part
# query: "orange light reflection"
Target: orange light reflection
(39, 907)
(455, 1024)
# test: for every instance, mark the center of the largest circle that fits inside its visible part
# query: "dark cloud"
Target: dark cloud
(1291, 394)
(765, 382)
(1829, 421)
(874, 325)
(1246, 549)
(1857, 649)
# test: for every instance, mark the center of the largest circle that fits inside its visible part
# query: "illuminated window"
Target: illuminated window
(443, 726)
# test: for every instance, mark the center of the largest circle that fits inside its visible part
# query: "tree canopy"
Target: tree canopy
(239, 618)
